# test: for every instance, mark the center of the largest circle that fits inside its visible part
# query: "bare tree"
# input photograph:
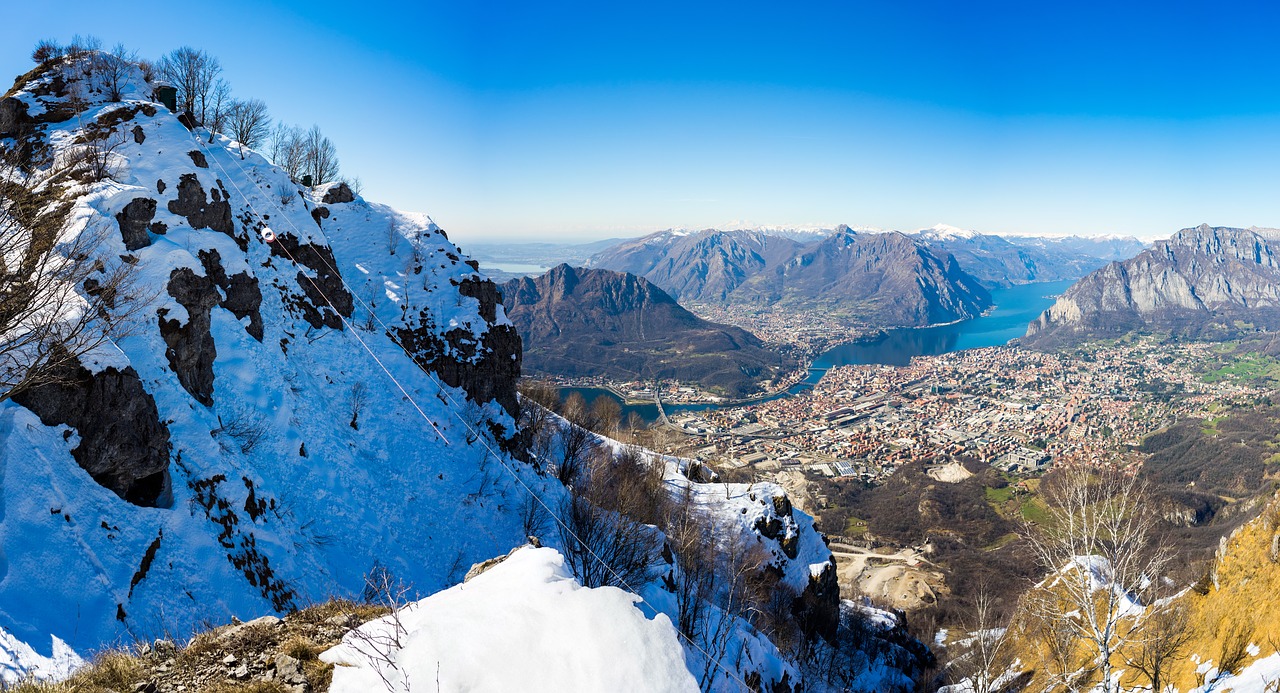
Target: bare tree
(115, 68)
(1100, 546)
(320, 157)
(983, 658)
(608, 415)
(248, 123)
(393, 235)
(218, 109)
(60, 295)
(195, 74)
(288, 150)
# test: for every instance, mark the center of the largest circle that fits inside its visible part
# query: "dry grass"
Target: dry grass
(303, 636)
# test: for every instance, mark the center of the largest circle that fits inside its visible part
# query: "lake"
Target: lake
(1015, 307)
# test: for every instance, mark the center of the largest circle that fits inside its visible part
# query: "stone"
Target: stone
(123, 445)
(138, 135)
(197, 157)
(337, 193)
(134, 220)
(203, 213)
(191, 349)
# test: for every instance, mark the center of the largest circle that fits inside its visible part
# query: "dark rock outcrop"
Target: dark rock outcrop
(191, 346)
(123, 444)
(135, 221)
(197, 157)
(817, 609)
(590, 322)
(487, 370)
(337, 194)
(203, 213)
(138, 135)
(243, 298)
(324, 288)
(13, 116)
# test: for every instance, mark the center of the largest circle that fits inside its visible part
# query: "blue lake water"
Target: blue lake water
(1015, 307)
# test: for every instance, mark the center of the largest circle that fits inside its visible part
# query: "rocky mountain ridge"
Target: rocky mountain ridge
(1204, 281)
(595, 322)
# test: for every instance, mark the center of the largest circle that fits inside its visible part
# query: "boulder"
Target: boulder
(123, 444)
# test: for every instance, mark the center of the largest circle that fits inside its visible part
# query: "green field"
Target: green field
(1250, 366)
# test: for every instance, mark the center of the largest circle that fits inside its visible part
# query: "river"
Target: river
(1015, 307)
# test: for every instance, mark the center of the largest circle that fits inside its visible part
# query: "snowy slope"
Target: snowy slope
(304, 512)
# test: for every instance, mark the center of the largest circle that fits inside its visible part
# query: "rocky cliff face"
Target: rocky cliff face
(580, 322)
(1203, 281)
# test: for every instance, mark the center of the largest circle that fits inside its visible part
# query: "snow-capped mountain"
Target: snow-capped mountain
(316, 385)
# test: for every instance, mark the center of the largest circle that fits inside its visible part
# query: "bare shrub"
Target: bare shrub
(357, 400)
(288, 150)
(115, 68)
(379, 646)
(240, 429)
(46, 50)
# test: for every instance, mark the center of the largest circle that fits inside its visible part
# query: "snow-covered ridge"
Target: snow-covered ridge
(291, 460)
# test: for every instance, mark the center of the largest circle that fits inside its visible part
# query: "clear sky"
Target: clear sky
(553, 120)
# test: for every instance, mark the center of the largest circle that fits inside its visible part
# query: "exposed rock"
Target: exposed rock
(817, 609)
(123, 444)
(13, 116)
(191, 347)
(337, 193)
(243, 298)
(197, 157)
(160, 186)
(134, 220)
(201, 213)
(326, 283)
(139, 136)
(319, 214)
(487, 371)
(1202, 282)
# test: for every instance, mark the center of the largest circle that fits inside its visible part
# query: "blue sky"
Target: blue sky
(555, 120)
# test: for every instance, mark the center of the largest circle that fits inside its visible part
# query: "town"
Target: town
(1015, 409)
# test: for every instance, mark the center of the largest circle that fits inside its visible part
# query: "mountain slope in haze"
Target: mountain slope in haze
(589, 322)
(1108, 248)
(999, 262)
(259, 441)
(1203, 281)
(698, 266)
(881, 278)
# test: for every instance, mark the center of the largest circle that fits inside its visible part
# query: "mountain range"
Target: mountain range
(595, 322)
(885, 278)
(1204, 281)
